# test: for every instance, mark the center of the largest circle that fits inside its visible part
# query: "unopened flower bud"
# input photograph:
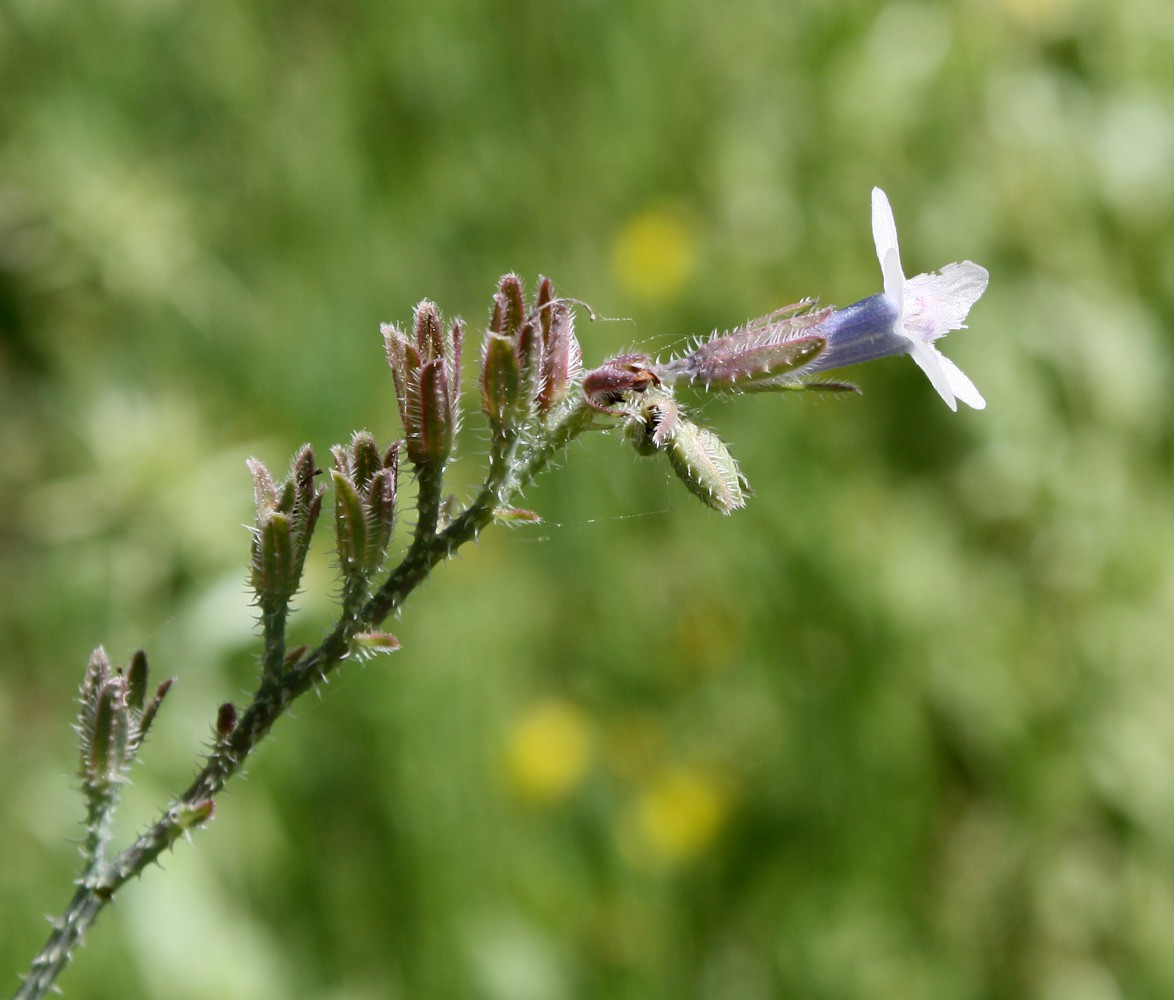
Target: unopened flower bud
(432, 442)
(225, 720)
(652, 423)
(562, 357)
(374, 643)
(136, 681)
(365, 485)
(189, 815)
(426, 369)
(151, 709)
(286, 516)
(501, 384)
(106, 749)
(509, 307)
(516, 515)
(704, 464)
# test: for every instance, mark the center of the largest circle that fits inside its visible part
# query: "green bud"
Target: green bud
(501, 384)
(513, 516)
(106, 752)
(189, 815)
(350, 525)
(704, 464)
(374, 643)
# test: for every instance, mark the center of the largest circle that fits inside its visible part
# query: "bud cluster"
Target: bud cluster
(114, 718)
(286, 515)
(365, 483)
(426, 367)
(529, 358)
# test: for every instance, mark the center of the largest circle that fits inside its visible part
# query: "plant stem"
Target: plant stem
(277, 691)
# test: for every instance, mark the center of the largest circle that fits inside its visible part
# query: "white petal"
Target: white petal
(884, 235)
(929, 359)
(962, 387)
(938, 303)
(894, 284)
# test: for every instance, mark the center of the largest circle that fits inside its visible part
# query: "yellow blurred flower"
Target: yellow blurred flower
(676, 818)
(549, 751)
(655, 253)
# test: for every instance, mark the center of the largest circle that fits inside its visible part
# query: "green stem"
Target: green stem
(276, 691)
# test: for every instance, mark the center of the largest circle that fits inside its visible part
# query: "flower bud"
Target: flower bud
(562, 357)
(365, 485)
(501, 384)
(151, 709)
(136, 681)
(225, 720)
(704, 464)
(426, 368)
(509, 307)
(651, 425)
(106, 747)
(286, 516)
(189, 815)
(515, 516)
(374, 643)
(432, 442)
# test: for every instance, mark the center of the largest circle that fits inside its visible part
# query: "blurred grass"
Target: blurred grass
(905, 727)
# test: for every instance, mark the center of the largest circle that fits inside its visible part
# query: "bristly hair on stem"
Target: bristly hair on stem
(536, 400)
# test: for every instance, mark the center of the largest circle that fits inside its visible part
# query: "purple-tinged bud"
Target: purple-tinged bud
(432, 442)
(381, 510)
(529, 348)
(452, 367)
(427, 375)
(509, 307)
(136, 681)
(562, 357)
(225, 721)
(404, 360)
(151, 709)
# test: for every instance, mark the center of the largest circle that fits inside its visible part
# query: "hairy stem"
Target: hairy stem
(278, 689)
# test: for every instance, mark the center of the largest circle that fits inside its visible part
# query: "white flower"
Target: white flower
(928, 306)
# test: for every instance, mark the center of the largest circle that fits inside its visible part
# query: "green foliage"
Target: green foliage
(902, 727)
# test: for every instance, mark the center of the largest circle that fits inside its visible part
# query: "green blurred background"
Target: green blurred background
(902, 728)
